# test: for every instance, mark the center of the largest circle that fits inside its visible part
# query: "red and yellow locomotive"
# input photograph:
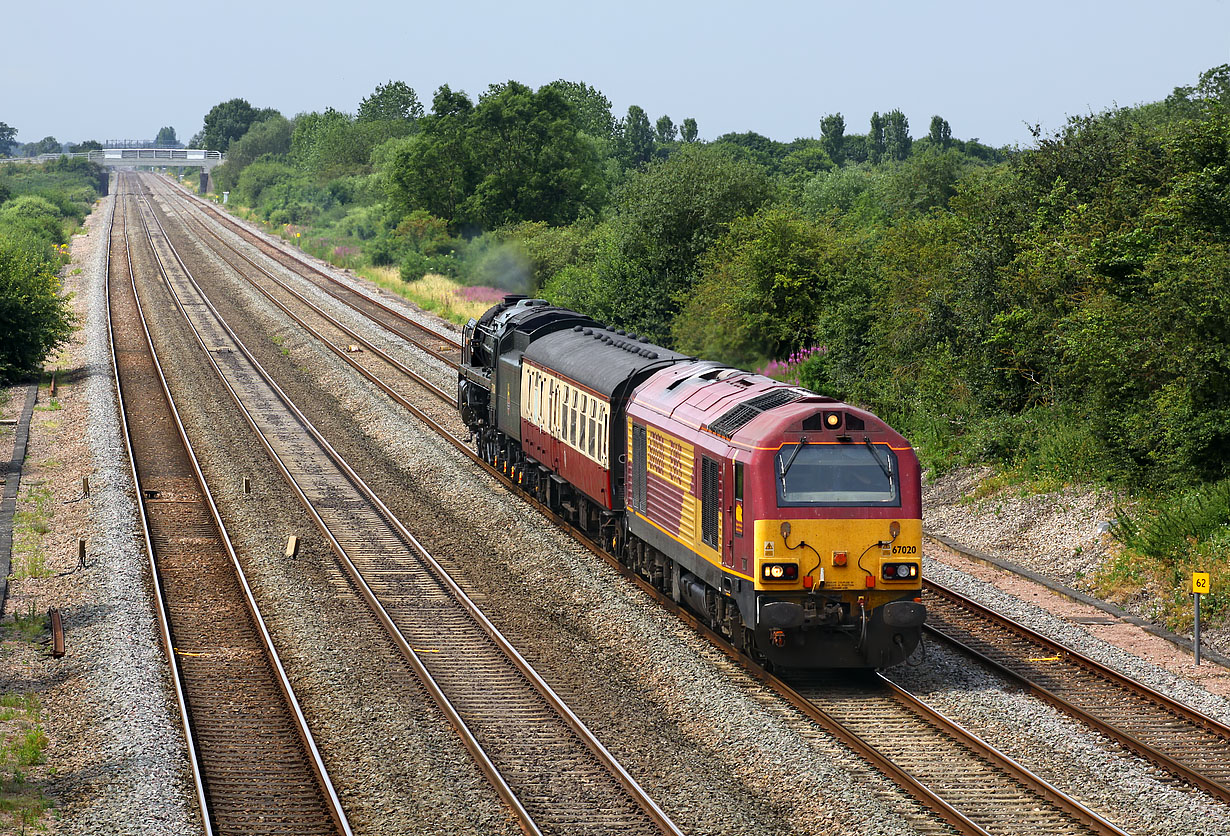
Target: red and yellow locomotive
(789, 521)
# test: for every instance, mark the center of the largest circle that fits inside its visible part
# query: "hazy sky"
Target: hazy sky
(105, 70)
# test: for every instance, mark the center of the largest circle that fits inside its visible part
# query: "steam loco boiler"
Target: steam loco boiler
(791, 522)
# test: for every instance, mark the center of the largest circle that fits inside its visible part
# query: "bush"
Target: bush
(415, 265)
(34, 317)
(35, 214)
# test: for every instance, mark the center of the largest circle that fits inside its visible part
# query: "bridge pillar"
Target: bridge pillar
(206, 181)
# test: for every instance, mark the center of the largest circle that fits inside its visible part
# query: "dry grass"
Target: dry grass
(433, 292)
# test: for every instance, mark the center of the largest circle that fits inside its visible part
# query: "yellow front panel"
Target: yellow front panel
(857, 538)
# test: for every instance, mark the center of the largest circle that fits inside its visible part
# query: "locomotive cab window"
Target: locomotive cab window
(836, 474)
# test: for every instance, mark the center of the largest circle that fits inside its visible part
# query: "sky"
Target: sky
(76, 70)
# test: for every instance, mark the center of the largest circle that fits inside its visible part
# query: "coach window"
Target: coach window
(592, 446)
(583, 429)
(572, 419)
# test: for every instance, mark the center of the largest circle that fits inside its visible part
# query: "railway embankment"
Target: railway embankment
(1046, 549)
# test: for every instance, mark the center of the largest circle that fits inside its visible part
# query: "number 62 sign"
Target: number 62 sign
(1200, 583)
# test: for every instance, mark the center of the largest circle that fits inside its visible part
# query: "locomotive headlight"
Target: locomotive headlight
(779, 571)
(899, 571)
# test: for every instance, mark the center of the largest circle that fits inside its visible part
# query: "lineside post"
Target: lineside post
(1200, 585)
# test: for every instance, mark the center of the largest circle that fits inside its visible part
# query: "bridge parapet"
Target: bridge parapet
(121, 157)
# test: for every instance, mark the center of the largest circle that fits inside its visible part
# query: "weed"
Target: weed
(24, 742)
(30, 525)
(29, 627)
(278, 339)
(1165, 543)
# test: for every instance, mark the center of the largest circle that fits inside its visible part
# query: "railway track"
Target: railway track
(256, 768)
(1174, 737)
(1005, 798)
(441, 346)
(555, 776)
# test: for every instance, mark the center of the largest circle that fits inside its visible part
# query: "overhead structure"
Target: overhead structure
(133, 157)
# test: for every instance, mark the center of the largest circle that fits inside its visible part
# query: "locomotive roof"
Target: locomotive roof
(599, 358)
(747, 409)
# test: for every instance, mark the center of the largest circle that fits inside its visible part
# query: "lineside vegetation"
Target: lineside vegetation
(1061, 312)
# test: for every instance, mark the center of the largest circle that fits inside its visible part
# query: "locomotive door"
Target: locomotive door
(725, 493)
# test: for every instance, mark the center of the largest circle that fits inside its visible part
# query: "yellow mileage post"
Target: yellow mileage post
(1200, 586)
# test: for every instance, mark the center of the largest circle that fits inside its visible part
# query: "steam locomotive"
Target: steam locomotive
(789, 521)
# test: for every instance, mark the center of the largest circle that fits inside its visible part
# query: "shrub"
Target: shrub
(415, 265)
(34, 317)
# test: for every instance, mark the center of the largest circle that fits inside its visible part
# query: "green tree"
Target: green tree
(166, 138)
(532, 163)
(665, 130)
(940, 133)
(436, 170)
(875, 139)
(688, 131)
(269, 137)
(394, 100)
(7, 139)
(46, 145)
(664, 218)
(88, 145)
(833, 137)
(896, 135)
(593, 109)
(634, 138)
(768, 287)
(227, 122)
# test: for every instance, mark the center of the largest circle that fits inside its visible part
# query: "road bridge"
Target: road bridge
(131, 157)
(134, 157)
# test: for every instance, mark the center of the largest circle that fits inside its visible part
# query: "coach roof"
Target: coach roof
(599, 358)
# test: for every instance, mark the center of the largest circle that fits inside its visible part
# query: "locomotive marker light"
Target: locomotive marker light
(1200, 586)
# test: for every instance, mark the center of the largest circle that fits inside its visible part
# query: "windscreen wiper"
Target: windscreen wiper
(887, 471)
(790, 461)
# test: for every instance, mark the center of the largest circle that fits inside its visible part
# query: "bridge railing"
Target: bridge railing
(133, 156)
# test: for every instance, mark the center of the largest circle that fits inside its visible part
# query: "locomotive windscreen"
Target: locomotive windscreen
(837, 474)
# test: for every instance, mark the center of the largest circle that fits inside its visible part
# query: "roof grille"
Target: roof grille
(740, 415)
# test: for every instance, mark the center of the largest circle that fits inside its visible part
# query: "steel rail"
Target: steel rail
(1216, 732)
(315, 761)
(649, 807)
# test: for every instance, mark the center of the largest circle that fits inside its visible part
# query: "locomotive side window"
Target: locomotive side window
(836, 474)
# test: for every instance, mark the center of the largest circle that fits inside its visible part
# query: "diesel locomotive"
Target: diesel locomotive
(789, 521)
